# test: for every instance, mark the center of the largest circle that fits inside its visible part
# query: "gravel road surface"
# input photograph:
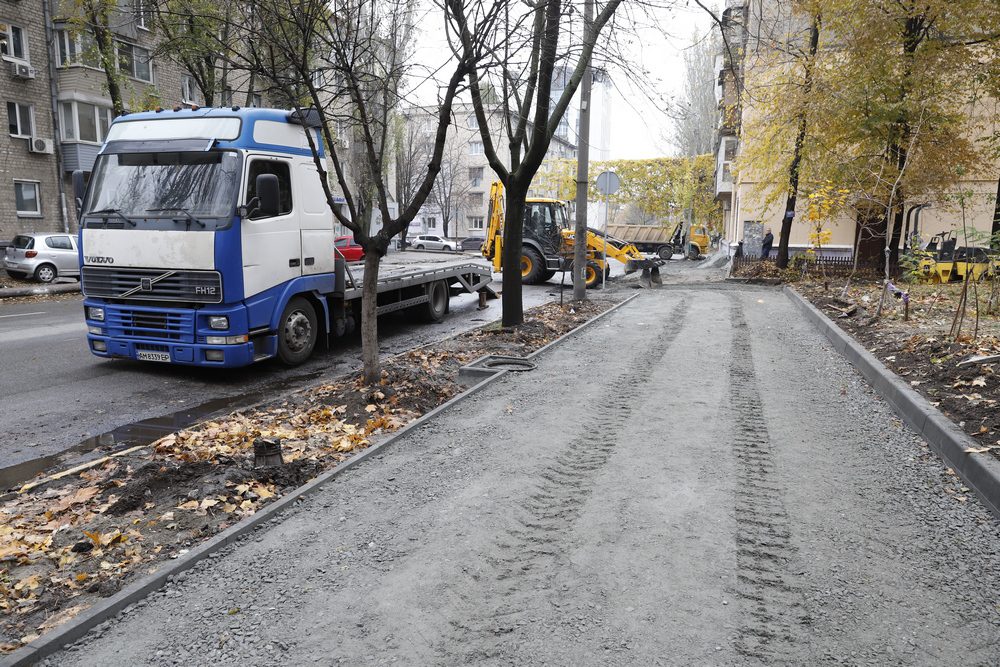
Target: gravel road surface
(698, 479)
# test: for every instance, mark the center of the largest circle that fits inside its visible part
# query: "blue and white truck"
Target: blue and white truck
(206, 239)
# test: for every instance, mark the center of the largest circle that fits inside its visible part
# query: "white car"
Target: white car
(431, 242)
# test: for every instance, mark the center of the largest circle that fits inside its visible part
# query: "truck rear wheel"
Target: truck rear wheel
(436, 308)
(532, 266)
(297, 332)
(665, 252)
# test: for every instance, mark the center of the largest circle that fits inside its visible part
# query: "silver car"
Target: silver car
(431, 242)
(43, 257)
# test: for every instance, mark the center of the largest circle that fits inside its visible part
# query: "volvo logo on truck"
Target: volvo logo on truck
(96, 259)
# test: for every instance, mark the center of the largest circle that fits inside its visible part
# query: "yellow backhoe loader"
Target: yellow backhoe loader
(548, 242)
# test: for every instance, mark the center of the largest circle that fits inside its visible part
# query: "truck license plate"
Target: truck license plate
(154, 356)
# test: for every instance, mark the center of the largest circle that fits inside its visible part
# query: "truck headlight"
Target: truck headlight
(218, 322)
(95, 313)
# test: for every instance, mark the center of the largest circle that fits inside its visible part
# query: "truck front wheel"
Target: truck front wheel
(297, 332)
(665, 252)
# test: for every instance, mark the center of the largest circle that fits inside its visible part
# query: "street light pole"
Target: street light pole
(583, 169)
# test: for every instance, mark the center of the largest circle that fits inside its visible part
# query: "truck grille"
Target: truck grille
(152, 284)
(158, 324)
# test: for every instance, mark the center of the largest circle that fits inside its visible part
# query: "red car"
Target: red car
(349, 248)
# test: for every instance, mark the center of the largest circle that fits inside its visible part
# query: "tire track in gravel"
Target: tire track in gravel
(770, 600)
(532, 551)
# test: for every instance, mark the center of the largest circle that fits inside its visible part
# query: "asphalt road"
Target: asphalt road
(56, 394)
(716, 486)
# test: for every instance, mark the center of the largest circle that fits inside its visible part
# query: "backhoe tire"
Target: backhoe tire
(592, 275)
(665, 252)
(546, 276)
(532, 266)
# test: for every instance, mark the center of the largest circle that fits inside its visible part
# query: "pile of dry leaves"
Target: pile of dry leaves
(66, 542)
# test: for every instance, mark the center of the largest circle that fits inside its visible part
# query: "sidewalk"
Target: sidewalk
(698, 479)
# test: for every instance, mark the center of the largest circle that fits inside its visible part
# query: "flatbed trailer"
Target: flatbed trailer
(402, 272)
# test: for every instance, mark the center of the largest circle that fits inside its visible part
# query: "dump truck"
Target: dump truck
(691, 241)
(206, 240)
(548, 242)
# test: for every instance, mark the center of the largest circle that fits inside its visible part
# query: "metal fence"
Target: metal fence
(830, 266)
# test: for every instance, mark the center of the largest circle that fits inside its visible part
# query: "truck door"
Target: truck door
(272, 251)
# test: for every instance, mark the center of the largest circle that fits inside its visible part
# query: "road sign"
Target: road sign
(608, 183)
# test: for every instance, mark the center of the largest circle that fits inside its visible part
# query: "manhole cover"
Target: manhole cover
(508, 364)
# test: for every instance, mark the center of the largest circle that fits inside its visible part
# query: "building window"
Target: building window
(19, 119)
(227, 97)
(476, 200)
(475, 148)
(256, 100)
(84, 122)
(134, 61)
(476, 176)
(76, 49)
(188, 88)
(143, 15)
(472, 122)
(26, 198)
(13, 44)
(476, 222)
(727, 172)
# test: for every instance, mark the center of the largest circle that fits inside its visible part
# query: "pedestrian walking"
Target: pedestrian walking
(765, 246)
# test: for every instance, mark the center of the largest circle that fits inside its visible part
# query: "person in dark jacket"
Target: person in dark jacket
(765, 246)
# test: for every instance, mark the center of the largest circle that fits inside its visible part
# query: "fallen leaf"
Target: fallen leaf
(189, 505)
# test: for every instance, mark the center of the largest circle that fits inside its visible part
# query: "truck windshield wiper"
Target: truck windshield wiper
(105, 211)
(190, 218)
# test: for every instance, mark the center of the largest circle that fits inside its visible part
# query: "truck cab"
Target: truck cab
(206, 239)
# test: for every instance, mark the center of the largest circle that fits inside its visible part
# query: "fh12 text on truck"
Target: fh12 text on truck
(206, 239)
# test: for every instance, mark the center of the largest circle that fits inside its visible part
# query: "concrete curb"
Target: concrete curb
(61, 288)
(137, 590)
(981, 471)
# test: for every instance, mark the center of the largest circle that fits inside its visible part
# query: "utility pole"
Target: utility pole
(582, 169)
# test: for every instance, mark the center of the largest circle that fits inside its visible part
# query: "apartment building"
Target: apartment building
(58, 108)
(752, 30)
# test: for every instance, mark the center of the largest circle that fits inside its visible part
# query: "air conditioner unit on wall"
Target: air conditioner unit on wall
(39, 145)
(22, 71)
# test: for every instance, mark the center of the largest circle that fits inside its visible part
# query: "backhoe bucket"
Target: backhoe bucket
(650, 271)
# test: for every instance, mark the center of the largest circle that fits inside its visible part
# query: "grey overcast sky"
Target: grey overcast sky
(641, 127)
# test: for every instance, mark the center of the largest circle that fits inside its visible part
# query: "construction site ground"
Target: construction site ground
(698, 478)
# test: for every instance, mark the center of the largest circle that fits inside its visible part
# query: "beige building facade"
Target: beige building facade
(743, 196)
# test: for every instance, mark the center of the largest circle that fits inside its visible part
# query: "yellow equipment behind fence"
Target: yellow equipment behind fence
(942, 262)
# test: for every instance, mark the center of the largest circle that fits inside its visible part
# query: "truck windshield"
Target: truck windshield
(154, 186)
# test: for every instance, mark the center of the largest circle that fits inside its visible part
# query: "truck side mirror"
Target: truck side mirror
(267, 194)
(79, 190)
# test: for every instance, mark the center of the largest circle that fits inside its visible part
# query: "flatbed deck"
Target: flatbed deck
(409, 268)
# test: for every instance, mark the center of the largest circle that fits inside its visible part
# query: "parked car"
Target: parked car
(474, 243)
(43, 257)
(349, 248)
(431, 242)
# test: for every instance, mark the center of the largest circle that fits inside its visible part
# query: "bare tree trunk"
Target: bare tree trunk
(513, 240)
(795, 168)
(369, 319)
